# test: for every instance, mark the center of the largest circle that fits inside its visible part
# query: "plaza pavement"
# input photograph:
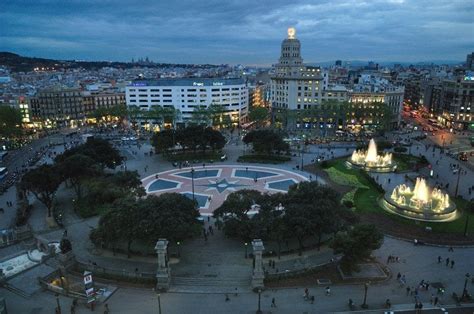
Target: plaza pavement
(417, 263)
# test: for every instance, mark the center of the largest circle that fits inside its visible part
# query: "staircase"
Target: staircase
(208, 284)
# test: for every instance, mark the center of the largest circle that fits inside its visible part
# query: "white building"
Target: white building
(186, 94)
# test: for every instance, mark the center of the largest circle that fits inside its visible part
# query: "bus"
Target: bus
(432, 121)
(3, 173)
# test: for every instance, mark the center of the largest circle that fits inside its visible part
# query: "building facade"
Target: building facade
(189, 94)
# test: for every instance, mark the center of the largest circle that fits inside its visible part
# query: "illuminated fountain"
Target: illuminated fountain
(420, 203)
(370, 160)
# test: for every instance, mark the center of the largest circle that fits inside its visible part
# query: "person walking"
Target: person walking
(447, 262)
(439, 259)
(306, 294)
(312, 299)
(328, 291)
(408, 290)
(106, 310)
(452, 264)
(273, 303)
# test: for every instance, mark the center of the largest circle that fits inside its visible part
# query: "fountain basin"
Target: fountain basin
(370, 160)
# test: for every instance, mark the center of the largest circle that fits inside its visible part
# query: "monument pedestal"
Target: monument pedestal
(163, 273)
(258, 275)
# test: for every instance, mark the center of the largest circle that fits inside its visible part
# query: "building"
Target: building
(294, 86)
(188, 94)
(458, 102)
(470, 61)
(57, 106)
(302, 92)
(70, 106)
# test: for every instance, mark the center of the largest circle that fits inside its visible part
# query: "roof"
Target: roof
(189, 82)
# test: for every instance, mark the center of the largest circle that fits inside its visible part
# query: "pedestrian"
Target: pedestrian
(328, 291)
(439, 259)
(435, 302)
(432, 298)
(452, 263)
(389, 258)
(106, 310)
(306, 293)
(312, 299)
(408, 290)
(227, 297)
(447, 262)
(273, 303)
(399, 276)
(450, 249)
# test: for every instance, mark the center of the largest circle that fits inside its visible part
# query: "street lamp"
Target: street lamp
(259, 311)
(58, 308)
(366, 287)
(159, 303)
(457, 182)
(246, 249)
(464, 291)
(192, 180)
(179, 253)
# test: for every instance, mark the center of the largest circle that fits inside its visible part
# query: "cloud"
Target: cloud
(238, 31)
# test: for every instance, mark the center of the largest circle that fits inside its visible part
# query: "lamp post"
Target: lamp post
(179, 253)
(192, 180)
(58, 308)
(159, 303)
(302, 154)
(259, 311)
(457, 182)
(366, 287)
(466, 225)
(464, 291)
(246, 249)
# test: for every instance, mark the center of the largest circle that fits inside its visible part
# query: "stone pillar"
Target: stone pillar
(163, 273)
(258, 274)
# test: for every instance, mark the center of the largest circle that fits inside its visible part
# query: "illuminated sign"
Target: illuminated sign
(198, 84)
(469, 78)
(139, 84)
(217, 83)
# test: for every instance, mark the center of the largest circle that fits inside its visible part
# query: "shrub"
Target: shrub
(270, 159)
(400, 149)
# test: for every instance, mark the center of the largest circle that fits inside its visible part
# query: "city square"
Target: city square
(232, 175)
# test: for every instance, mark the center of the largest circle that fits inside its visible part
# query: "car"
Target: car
(462, 156)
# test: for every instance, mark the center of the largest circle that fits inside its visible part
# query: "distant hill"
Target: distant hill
(18, 63)
(359, 63)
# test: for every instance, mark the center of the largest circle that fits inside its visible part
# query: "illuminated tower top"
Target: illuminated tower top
(291, 33)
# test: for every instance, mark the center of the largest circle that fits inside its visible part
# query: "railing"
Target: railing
(116, 274)
(14, 235)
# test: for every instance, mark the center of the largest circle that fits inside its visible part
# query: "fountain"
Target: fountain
(420, 203)
(371, 161)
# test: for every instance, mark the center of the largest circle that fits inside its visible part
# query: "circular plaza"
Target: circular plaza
(210, 185)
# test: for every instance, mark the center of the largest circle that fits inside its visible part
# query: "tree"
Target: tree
(99, 150)
(170, 215)
(128, 182)
(200, 116)
(214, 139)
(259, 115)
(266, 141)
(76, 168)
(10, 122)
(164, 140)
(356, 245)
(43, 182)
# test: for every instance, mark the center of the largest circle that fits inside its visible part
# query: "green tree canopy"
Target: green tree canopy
(357, 244)
(259, 115)
(266, 141)
(10, 122)
(99, 150)
(43, 182)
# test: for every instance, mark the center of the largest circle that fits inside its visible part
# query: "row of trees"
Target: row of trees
(170, 215)
(307, 211)
(10, 122)
(340, 113)
(79, 166)
(190, 138)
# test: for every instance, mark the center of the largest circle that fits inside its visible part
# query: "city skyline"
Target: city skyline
(239, 31)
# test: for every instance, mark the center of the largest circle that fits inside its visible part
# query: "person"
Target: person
(227, 297)
(439, 259)
(351, 303)
(312, 299)
(328, 291)
(435, 302)
(408, 290)
(306, 293)
(388, 304)
(273, 303)
(399, 276)
(452, 263)
(447, 262)
(106, 310)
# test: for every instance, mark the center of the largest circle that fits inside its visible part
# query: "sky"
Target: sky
(238, 31)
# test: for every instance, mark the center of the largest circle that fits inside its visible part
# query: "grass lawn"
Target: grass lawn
(366, 197)
(406, 162)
